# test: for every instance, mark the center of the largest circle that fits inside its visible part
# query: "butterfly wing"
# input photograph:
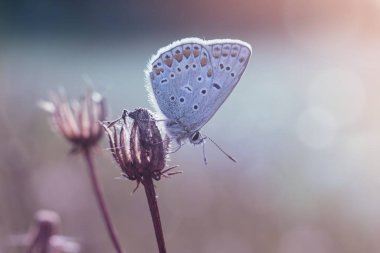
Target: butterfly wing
(229, 59)
(191, 78)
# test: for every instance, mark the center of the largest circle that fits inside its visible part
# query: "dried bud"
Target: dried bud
(139, 149)
(78, 121)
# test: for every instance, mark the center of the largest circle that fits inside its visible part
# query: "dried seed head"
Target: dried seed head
(137, 147)
(78, 121)
(43, 235)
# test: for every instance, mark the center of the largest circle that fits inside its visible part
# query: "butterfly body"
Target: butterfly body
(190, 79)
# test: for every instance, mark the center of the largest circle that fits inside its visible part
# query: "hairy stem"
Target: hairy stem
(101, 202)
(152, 202)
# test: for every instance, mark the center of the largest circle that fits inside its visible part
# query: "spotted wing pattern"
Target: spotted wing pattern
(191, 78)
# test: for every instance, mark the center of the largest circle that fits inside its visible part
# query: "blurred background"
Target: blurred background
(303, 124)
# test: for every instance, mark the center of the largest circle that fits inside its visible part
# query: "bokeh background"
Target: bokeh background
(303, 123)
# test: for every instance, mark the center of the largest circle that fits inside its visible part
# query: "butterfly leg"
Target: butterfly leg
(177, 148)
(204, 153)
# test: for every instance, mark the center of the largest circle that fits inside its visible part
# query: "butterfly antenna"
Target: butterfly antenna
(224, 152)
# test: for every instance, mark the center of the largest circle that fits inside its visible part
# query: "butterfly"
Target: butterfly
(190, 79)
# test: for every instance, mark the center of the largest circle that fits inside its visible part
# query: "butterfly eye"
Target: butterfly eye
(195, 136)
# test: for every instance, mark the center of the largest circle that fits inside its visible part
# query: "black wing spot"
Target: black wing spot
(172, 98)
(182, 99)
(203, 91)
(195, 107)
(164, 81)
(187, 88)
(217, 86)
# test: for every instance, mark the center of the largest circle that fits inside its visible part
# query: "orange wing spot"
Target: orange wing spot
(216, 56)
(196, 52)
(216, 52)
(209, 73)
(168, 62)
(186, 52)
(203, 61)
(158, 70)
(178, 57)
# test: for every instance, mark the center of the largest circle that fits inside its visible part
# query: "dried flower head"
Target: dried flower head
(43, 235)
(78, 121)
(139, 149)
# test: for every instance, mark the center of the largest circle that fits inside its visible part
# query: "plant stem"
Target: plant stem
(152, 202)
(101, 202)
